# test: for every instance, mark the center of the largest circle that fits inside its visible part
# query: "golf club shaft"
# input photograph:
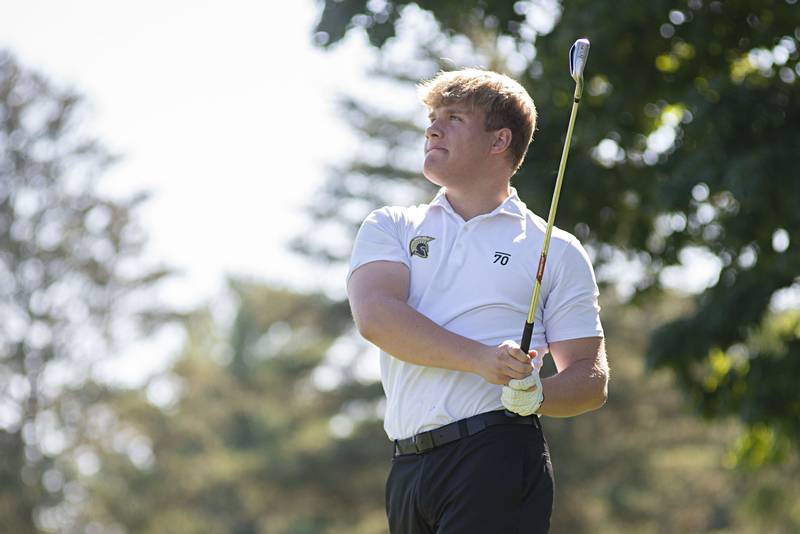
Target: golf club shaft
(527, 333)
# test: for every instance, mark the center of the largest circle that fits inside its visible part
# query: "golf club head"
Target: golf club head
(578, 55)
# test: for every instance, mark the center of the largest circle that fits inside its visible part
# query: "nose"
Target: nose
(433, 131)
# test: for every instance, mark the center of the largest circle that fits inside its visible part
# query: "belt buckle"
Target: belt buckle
(422, 442)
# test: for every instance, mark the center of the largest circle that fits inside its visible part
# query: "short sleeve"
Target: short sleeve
(571, 309)
(378, 239)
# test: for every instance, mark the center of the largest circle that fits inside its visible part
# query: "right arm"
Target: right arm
(378, 293)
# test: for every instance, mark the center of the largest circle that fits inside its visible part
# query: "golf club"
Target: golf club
(578, 55)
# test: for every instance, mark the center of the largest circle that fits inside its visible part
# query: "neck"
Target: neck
(477, 200)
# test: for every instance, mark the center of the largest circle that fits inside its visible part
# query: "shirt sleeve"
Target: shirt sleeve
(571, 309)
(378, 239)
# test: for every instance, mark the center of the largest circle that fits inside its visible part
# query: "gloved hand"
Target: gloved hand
(517, 399)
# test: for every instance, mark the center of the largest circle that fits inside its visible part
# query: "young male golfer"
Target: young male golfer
(438, 288)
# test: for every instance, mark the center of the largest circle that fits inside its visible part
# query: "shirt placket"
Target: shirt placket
(456, 261)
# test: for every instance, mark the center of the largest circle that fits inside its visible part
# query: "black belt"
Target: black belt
(425, 441)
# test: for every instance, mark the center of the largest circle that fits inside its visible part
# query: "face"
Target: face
(456, 145)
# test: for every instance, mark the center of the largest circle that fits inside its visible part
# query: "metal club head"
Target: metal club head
(578, 55)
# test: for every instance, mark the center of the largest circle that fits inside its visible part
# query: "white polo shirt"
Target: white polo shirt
(474, 278)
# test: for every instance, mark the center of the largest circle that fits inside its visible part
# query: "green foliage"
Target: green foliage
(263, 450)
(70, 282)
(247, 446)
(644, 463)
(686, 141)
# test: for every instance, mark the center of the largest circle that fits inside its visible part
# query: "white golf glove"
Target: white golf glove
(521, 402)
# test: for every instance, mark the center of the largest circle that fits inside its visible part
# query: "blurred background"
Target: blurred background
(180, 184)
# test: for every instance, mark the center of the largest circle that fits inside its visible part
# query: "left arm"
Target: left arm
(581, 384)
(571, 313)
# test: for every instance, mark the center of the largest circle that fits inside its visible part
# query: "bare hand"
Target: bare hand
(505, 362)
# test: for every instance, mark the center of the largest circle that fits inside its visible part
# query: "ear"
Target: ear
(502, 141)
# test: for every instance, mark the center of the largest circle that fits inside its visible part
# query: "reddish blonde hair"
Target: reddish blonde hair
(504, 101)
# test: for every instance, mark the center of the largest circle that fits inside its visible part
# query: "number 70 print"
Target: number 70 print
(501, 257)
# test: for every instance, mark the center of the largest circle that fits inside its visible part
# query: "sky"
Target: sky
(224, 111)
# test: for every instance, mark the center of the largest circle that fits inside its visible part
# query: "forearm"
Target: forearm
(580, 388)
(406, 334)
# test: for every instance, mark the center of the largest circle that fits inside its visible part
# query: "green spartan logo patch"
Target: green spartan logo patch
(419, 246)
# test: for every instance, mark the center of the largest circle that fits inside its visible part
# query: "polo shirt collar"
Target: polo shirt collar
(510, 206)
(441, 200)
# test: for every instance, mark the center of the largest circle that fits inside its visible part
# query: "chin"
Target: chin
(432, 176)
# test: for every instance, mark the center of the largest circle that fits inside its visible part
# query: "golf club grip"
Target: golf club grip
(525, 346)
(527, 333)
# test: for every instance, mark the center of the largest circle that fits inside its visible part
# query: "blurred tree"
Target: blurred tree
(684, 150)
(646, 463)
(271, 425)
(70, 286)
(253, 430)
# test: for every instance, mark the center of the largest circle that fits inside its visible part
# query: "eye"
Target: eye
(455, 118)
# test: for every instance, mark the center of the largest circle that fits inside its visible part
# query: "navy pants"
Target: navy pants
(499, 480)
